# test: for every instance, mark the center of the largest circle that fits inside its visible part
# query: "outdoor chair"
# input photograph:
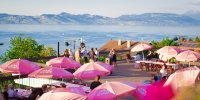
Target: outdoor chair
(142, 65)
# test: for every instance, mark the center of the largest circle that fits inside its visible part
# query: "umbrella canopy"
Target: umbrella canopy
(111, 91)
(141, 47)
(107, 66)
(69, 93)
(188, 56)
(183, 77)
(90, 70)
(168, 51)
(18, 66)
(51, 72)
(63, 62)
(150, 92)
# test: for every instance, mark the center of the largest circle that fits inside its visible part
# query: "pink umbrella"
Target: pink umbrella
(18, 66)
(111, 91)
(141, 47)
(183, 77)
(188, 56)
(90, 70)
(168, 51)
(150, 92)
(69, 93)
(51, 72)
(64, 62)
(107, 66)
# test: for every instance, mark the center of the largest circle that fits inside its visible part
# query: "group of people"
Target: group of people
(82, 53)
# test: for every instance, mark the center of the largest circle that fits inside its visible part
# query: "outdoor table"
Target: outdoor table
(85, 88)
(23, 92)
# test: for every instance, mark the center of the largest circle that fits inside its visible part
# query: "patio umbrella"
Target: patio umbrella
(188, 56)
(111, 91)
(141, 47)
(107, 66)
(18, 66)
(150, 92)
(90, 70)
(183, 77)
(168, 52)
(63, 62)
(50, 72)
(69, 93)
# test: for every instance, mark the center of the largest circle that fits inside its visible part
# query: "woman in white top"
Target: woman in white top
(163, 71)
(85, 55)
(71, 54)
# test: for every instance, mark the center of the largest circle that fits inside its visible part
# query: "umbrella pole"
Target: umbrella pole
(189, 63)
(19, 80)
(142, 55)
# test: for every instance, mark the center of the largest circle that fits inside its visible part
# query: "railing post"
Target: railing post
(58, 54)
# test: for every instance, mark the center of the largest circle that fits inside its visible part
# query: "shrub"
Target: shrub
(101, 58)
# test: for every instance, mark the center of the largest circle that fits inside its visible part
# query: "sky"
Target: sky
(110, 8)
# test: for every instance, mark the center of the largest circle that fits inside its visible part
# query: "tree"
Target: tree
(22, 47)
(190, 40)
(47, 51)
(164, 42)
(197, 39)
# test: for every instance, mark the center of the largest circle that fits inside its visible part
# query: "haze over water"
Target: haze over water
(94, 36)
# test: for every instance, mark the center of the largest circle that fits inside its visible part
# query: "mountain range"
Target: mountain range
(190, 18)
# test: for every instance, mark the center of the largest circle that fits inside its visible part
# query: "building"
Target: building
(121, 46)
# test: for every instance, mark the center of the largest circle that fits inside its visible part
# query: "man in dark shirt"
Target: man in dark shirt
(37, 92)
(95, 83)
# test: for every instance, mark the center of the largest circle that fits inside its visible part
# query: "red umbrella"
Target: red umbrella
(63, 62)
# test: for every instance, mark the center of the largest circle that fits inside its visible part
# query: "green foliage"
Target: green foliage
(22, 48)
(6, 82)
(101, 58)
(47, 51)
(119, 58)
(164, 42)
(197, 39)
(190, 40)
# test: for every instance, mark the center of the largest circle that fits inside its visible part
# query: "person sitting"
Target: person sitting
(74, 82)
(12, 94)
(4, 93)
(95, 83)
(173, 60)
(65, 53)
(37, 92)
(62, 85)
(163, 71)
(128, 57)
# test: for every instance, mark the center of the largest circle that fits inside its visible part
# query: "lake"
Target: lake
(94, 36)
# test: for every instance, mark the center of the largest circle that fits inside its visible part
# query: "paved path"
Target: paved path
(126, 72)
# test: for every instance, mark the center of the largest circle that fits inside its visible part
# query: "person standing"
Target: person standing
(71, 54)
(78, 55)
(85, 54)
(95, 83)
(97, 54)
(114, 58)
(91, 54)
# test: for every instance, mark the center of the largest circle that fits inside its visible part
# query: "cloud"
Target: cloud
(196, 2)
